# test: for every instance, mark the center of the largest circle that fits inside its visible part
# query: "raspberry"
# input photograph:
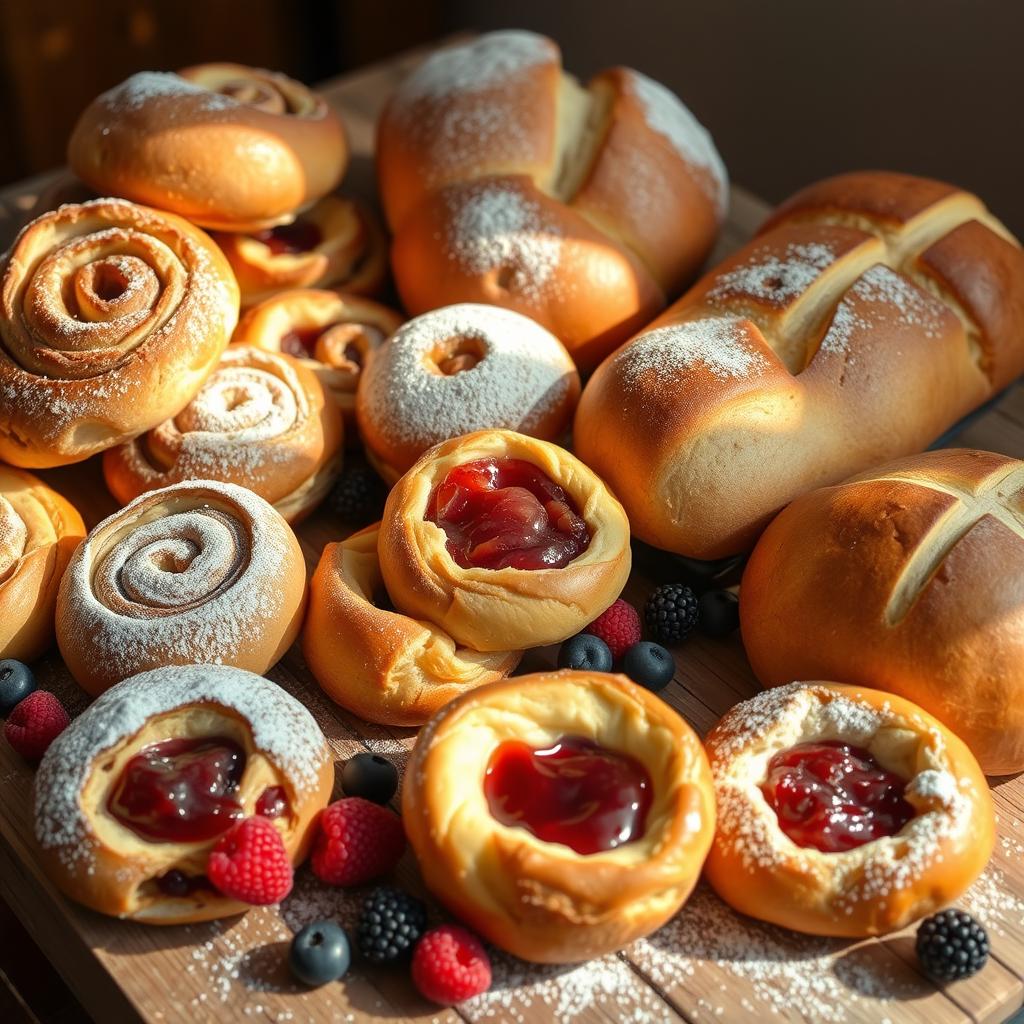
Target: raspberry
(250, 863)
(35, 723)
(618, 627)
(450, 965)
(390, 925)
(671, 612)
(358, 841)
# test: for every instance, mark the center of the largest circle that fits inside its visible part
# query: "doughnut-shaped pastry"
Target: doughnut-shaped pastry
(104, 839)
(261, 420)
(111, 317)
(332, 333)
(561, 814)
(199, 571)
(504, 541)
(376, 662)
(871, 313)
(505, 181)
(335, 242)
(460, 369)
(908, 578)
(38, 532)
(227, 146)
(843, 811)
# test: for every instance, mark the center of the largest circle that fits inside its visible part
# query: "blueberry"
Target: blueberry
(16, 683)
(370, 776)
(650, 665)
(719, 613)
(584, 651)
(320, 953)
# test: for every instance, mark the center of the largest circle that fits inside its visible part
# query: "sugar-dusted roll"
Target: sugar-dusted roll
(198, 571)
(111, 317)
(227, 146)
(457, 370)
(261, 420)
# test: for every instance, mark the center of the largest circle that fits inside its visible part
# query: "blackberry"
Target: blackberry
(671, 612)
(951, 945)
(390, 925)
(358, 496)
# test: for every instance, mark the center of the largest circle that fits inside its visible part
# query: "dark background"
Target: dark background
(792, 89)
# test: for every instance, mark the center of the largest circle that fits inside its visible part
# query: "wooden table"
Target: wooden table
(706, 965)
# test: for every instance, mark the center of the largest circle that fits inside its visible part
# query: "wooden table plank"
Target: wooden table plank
(708, 964)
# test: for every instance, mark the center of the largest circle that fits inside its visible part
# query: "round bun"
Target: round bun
(95, 859)
(379, 664)
(332, 333)
(261, 420)
(505, 181)
(457, 370)
(540, 900)
(336, 242)
(227, 146)
(38, 532)
(111, 317)
(501, 609)
(909, 578)
(882, 885)
(199, 571)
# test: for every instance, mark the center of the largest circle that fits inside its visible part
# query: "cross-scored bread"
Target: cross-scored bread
(872, 311)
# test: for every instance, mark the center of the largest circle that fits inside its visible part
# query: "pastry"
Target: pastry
(228, 744)
(506, 181)
(332, 333)
(335, 242)
(871, 313)
(261, 420)
(377, 663)
(460, 369)
(227, 146)
(111, 317)
(503, 541)
(562, 815)
(909, 579)
(843, 811)
(38, 532)
(198, 571)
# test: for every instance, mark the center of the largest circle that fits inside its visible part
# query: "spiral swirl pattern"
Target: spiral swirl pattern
(196, 572)
(264, 90)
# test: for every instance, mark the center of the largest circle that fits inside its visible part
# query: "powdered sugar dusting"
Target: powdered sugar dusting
(281, 727)
(766, 276)
(140, 89)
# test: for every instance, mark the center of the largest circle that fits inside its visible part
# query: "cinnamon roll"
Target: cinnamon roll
(196, 572)
(333, 333)
(111, 317)
(261, 420)
(336, 242)
(38, 532)
(227, 146)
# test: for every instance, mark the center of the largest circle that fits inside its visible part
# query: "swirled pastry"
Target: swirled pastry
(843, 811)
(227, 146)
(105, 835)
(336, 242)
(562, 814)
(374, 661)
(261, 420)
(38, 532)
(504, 541)
(199, 571)
(112, 317)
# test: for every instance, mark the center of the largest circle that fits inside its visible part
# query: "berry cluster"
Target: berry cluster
(35, 718)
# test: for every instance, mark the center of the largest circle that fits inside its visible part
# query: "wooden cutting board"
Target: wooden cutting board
(708, 964)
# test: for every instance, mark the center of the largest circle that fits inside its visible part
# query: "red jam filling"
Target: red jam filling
(180, 791)
(575, 793)
(834, 797)
(291, 239)
(272, 803)
(501, 513)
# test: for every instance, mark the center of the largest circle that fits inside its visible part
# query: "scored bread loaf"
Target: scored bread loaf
(872, 311)
(506, 181)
